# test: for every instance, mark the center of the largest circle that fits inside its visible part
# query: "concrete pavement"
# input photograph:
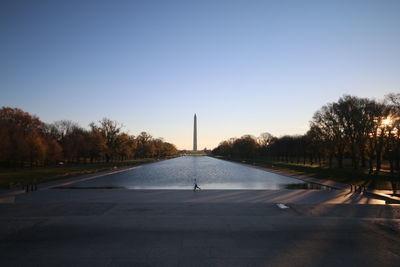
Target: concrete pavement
(67, 227)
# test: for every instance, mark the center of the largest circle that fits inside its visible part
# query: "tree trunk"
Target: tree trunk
(378, 160)
(339, 158)
(371, 165)
(397, 158)
(362, 154)
(391, 163)
(330, 160)
(354, 156)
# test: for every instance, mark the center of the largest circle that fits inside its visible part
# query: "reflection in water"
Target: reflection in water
(210, 173)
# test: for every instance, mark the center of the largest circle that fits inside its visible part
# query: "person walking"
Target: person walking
(195, 186)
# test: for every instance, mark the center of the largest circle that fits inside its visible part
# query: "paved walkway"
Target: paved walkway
(198, 234)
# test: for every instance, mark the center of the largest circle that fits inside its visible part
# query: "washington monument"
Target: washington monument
(195, 134)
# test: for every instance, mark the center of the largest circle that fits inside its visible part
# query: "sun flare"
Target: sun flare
(387, 121)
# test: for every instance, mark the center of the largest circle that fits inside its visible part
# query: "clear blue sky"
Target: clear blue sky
(245, 67)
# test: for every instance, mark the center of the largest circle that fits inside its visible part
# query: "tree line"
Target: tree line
(361, 131)
(27, 141)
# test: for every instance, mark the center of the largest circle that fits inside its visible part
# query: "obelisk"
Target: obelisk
(195, 134)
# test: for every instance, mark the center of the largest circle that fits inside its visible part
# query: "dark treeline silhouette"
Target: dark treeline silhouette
(27, 141)
(361, 131)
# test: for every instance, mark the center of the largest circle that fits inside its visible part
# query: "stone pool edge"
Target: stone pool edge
(381, 194)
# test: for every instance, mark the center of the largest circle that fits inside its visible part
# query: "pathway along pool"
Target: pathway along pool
(210, 173)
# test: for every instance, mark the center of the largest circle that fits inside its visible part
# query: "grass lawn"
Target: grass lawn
(10, 178)
(383, 180)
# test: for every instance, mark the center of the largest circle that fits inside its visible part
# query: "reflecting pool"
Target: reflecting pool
(210, 173)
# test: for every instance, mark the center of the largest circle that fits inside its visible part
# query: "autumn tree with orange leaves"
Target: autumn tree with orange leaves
(27, 141)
